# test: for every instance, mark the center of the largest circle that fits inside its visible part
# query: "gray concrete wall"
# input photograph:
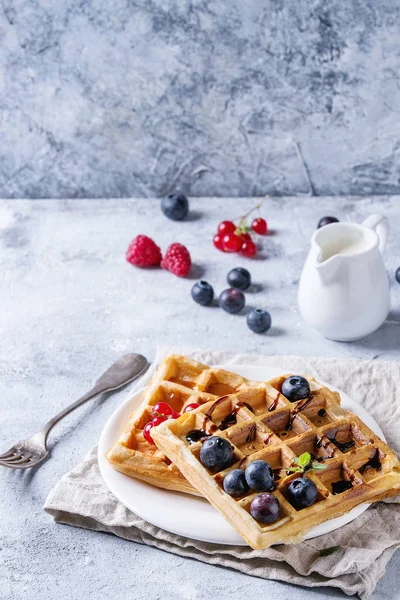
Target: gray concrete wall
(117, 98)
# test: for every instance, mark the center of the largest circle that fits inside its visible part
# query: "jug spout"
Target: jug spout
(337, 244)
(328, 269)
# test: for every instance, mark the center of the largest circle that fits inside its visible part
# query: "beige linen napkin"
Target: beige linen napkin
(366, 545)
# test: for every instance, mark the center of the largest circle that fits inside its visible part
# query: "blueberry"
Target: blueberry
(235, 483)
(295, 388)
(302, 492)
(327, 221)
(265, 508)
(397, 275)
(216, 453)
(259, 476)
(239, 278)
(175, 207)
(232, 300)
(202, 293)
(259, 320)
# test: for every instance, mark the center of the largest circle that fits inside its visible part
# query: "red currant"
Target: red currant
(162, 408)
(218, 243)
(246, 237)
(146, 432)
(226, 227)
(174, 415)
(249, 249)
(259, 226)
(190, 407)
(159, 419)
(232, 242)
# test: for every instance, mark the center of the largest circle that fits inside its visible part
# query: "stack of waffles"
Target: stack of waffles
(179, 381)
(259, 423)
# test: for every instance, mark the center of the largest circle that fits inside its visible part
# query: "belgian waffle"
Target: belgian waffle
(179, 381)
(262, 425)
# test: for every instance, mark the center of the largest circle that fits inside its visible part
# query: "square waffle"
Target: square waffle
(260, 423)
(179, 381)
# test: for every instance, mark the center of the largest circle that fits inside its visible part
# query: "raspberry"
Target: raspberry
(143, 252)
(177, 260)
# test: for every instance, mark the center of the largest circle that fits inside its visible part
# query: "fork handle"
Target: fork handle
(92, 393)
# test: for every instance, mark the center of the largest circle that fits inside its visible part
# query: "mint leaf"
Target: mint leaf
(329, 551)
(316, 466)
(304, 459)
(304, 464)
(294, 469)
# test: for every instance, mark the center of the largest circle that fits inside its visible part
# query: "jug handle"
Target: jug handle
(381, 226)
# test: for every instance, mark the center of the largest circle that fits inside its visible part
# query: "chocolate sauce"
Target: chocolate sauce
(301, 406)
(252, 433)
(266, 440)
(341, 486)
(322, 412)
(214, 406)
(275, 403)
(343, 446)
(277, 474)
(250, 408)
(373, 463)
(196, 435)
(231, 418)
(228, 421)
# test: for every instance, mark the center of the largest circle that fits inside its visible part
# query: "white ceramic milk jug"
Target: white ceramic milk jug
(344, 287)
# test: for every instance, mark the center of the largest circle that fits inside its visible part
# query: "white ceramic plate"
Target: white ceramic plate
(190, 516)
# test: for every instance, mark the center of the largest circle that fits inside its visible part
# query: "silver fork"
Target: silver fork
(33, 451)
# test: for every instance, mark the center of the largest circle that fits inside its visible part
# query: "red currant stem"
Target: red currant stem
(257, 206)
(242, 227)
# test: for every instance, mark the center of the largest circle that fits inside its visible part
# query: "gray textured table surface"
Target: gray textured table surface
(70, 305)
